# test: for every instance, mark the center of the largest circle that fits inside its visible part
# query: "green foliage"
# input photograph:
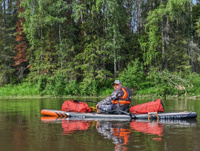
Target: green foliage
(133, 76)
(23, 89)
(72, 88)
(80, 47)
(163, 82)
(7, 41)
(42, 83)
(167, 83)
(149, 48)
(146, 91)
(105, 87)
(154, 82)
(198, 27)
(89, 87)
(196, 18)
(3, 79)
(60, 85)
(194, 81)
(162, 47)
(105, 91)
(93, 60)
(43, 27)
(53, 86)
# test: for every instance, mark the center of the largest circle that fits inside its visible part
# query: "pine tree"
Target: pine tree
(7, 42)
(168, 36)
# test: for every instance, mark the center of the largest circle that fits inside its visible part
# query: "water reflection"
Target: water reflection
(21, 129)
(119, 131)
(151, 128)
(70, 126)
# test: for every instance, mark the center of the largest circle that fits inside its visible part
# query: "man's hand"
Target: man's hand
(97, 106)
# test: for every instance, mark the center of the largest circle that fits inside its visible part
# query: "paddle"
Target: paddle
(86, 101)
(129, 114)
(91, 101)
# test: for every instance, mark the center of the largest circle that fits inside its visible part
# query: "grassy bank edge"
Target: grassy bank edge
(147, 96)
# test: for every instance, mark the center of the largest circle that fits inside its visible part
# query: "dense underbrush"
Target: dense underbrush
(139, 81)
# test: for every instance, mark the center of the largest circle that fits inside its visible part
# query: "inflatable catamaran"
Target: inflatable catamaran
(150, 110)
(150, 115)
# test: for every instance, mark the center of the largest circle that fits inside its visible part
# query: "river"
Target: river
(23, 128)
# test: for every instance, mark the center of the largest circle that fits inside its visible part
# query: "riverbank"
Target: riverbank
(30, 90)
(147, 96)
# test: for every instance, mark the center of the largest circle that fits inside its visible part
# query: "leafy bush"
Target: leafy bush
(72, 88)
(133, 76)
(23, 89)
(52, 85)
(60, 84)
(194, 82)
(153, 82)
(42, 83)
(89, 87)
(105, 92)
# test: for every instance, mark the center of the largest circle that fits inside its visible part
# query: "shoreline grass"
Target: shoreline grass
(32, 91)
(147, 96)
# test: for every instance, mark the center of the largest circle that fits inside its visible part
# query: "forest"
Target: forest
(79, 47)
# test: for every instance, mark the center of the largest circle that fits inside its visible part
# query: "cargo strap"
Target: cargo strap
(152, 114)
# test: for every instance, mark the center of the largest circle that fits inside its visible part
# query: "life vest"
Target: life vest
(125, 99)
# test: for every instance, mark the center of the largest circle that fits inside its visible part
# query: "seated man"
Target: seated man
(117, 102)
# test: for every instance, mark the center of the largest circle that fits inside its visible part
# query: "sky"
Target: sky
(194, 1)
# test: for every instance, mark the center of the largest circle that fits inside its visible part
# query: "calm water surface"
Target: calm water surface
(22, 128)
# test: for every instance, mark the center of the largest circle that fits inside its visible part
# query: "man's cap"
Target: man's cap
(117, 82)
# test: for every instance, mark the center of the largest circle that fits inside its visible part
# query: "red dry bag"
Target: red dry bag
(154, 106)
(75, 106)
